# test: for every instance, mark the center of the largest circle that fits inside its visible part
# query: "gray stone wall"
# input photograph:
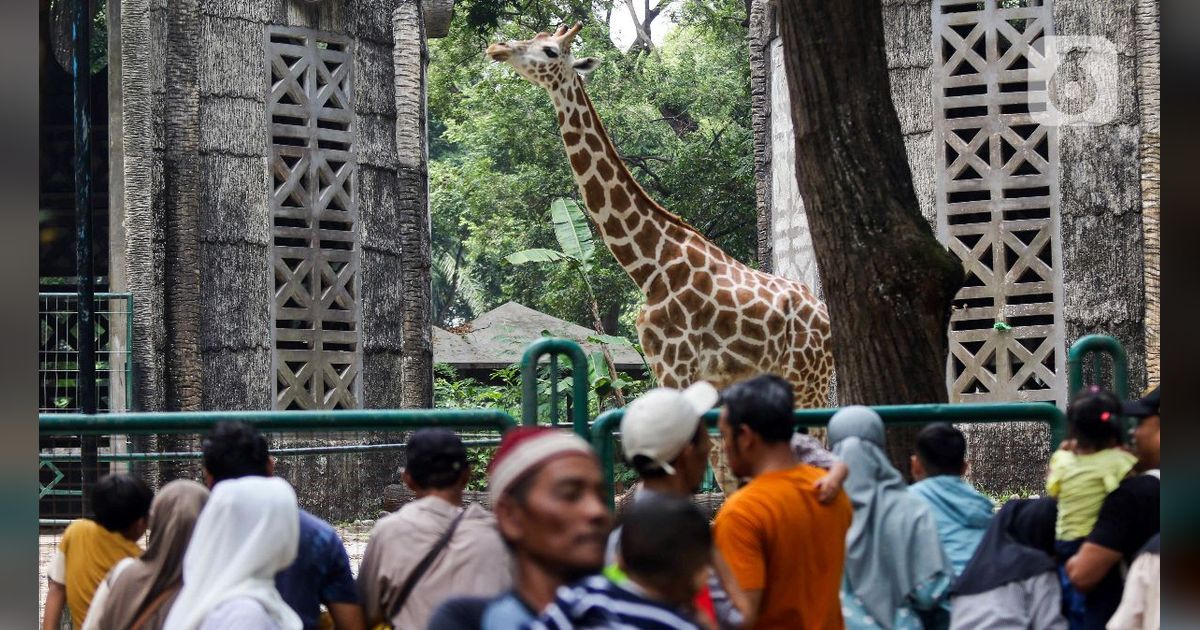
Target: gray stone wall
(236, 278)
(1100, 184)
(234, 244)
(1107, 179)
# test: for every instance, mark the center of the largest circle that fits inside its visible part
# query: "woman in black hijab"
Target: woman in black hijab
(1012, 580)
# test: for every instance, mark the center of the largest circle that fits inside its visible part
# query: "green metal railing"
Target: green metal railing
(579, 382)
(608, 423)
(146, 423)
(1096, 346)
(51, 425)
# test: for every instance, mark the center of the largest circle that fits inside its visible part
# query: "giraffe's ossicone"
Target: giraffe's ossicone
(707, 316)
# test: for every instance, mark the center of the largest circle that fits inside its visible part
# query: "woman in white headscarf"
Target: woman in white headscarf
(896, 574)
(247, 532)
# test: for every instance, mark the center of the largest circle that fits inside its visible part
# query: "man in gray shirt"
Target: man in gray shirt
(474, 561)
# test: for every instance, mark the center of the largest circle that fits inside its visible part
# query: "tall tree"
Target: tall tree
(894, 280)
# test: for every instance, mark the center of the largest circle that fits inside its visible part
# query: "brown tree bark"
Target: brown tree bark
(182, 199)
(890, 282)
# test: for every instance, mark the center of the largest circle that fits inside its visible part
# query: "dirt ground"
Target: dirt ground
(354, 537)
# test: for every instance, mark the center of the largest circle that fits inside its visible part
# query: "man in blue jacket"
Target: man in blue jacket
(961, 512)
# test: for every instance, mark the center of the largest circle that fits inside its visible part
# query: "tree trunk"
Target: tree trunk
(891, 281)
(410, 57)
(182, 198)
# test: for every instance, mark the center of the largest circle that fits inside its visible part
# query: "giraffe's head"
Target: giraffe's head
(546, 59)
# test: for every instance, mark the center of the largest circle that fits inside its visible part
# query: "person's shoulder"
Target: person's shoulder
(460, 613)
(479, 522)
(315, 523)
(1138, 485)
(314, 528)
(1062, 457)
(1119, 457)
(82, 526)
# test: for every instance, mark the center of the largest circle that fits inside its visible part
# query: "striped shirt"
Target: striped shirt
(595, 602)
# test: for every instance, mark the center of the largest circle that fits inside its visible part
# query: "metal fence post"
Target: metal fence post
(579, 379)
(1097, 344)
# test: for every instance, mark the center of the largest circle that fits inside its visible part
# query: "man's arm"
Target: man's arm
(739, 562)
(750, 612)
(367, 583)
(55, 599)
(339, 592)
(1090, 564)
(346, 616)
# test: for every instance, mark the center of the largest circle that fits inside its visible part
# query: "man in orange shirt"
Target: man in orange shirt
(784, 547)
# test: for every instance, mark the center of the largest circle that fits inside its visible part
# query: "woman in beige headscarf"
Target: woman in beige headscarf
(142, 591)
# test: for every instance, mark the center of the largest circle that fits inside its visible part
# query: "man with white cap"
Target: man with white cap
(547, 493)
(664, 439)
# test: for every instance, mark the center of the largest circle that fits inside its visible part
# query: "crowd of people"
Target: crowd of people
(813, 537)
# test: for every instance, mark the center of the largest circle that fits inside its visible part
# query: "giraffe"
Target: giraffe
(707, 315)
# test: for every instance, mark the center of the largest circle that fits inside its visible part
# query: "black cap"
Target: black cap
(436, 458)
(1142, 407)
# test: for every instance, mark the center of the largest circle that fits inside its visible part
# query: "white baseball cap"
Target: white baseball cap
(663, 420)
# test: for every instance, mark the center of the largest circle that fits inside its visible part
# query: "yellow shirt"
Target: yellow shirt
(1080, 483)
(89, 551)
(776, 536)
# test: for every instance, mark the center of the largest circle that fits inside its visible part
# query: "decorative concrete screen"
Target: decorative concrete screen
(792, 253)
(314, 210)
(997, 197)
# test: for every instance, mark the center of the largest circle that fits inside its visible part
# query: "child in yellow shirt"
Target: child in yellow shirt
(90, 547)
(1082, 473)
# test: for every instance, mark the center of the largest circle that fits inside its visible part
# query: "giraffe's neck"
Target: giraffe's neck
(642, 236)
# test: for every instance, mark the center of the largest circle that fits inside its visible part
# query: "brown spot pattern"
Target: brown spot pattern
(604, 170)
(580, 160)
(593, 192)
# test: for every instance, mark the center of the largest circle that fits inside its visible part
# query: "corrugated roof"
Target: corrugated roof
(498, 338)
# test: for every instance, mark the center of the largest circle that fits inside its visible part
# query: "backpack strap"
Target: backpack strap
(419, 571)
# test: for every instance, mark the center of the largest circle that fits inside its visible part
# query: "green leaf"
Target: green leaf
(535, 255)
(597, 369)
(610, 340)
(572, 230)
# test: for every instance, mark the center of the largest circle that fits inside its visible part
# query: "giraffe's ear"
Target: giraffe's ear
(586, 65)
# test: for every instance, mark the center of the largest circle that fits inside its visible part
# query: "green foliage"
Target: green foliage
(536, 255)
(572, 231)
(680, 117)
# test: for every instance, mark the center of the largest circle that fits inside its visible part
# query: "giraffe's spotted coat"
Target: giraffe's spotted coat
(707, 315)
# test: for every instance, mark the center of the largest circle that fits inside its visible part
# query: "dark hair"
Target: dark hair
(942, 449)
(1095, 416)
(119, 500)
(664, 539)
(436, 458)
(764, 403)
(234, 449)
(647, 468)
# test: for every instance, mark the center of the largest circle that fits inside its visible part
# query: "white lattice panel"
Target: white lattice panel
(997, 200)
(314, 208)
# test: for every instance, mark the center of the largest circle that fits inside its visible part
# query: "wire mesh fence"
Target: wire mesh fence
(341, 463)
(58, 352)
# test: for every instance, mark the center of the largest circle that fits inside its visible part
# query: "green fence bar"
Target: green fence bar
(274, 421)
(579, 387)
(275, 452)
(610, 421)
(1096, 345)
